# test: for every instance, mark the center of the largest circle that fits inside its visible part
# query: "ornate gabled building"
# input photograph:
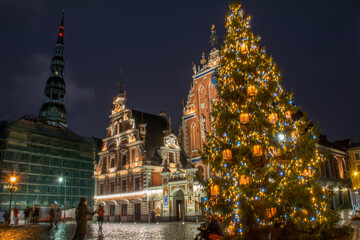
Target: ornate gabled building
(196, 119)
(142, 168)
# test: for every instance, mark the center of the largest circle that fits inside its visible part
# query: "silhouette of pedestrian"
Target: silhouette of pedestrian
(81, 219)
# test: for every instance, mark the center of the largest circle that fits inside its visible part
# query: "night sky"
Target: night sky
(316, 43)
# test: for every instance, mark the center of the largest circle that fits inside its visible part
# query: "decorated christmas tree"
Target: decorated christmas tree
(262, 149)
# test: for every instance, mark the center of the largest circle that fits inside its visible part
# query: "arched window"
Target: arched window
(327, 169)
(116, 128)
(209, 92)
(336, 167)
(193, 136)
(201, 97)
(112, 163)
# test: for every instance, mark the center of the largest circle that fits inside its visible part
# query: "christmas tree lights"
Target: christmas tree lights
(263, 153)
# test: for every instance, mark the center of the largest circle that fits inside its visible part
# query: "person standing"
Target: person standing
(100, 217)
(27, 214)
(16, 215)
(33, 218)
(52, 215)
(57, 215)
(36, 214)
(6, 217)
(81, 219)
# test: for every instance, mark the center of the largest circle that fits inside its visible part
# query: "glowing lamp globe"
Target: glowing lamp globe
(13, 179)
(281, 137)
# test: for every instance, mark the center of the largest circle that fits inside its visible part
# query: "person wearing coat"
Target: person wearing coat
(6, 217)
(81, 219)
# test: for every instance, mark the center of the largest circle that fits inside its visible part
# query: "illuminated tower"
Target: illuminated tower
(196, 119)
(53, 108)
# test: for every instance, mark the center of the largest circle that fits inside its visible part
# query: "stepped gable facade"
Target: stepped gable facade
(142, 168)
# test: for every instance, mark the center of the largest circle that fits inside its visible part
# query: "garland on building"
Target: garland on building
(262, 151)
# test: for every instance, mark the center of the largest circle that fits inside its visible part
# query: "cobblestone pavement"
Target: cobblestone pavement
(130, 231)
(111, 231)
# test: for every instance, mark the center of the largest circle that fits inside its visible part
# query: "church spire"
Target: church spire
(61, 28)
(53, 108)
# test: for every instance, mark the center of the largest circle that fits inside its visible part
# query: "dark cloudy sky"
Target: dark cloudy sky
(316, 43)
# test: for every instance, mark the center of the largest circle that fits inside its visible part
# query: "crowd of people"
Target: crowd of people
(31, 215)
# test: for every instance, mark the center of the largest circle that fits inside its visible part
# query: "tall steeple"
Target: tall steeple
(53, 108)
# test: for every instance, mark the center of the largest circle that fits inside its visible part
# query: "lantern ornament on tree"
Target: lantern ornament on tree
(215, 190)
(251, 90)
(257, 150)
(243, 48)
(227, 154)
(270, 212)
(244, 180)
(273, 118)
(275, 151)
(288, 114)
(244, 118)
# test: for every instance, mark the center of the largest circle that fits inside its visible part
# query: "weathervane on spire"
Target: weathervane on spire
(213, 37)
(121, 84)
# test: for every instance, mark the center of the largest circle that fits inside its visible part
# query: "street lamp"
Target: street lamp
(11, 188)
(61, 179)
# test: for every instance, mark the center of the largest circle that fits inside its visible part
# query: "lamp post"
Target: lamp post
(11, 188)
(61, 179)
